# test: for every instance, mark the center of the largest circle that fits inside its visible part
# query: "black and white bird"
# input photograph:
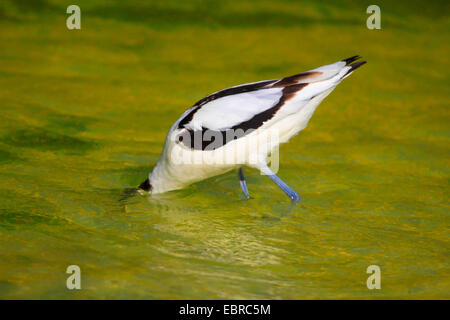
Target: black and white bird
(229, 129)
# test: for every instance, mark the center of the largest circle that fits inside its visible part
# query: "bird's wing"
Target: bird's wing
(251, 105)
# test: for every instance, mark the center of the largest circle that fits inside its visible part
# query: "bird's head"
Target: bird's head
(145, 186)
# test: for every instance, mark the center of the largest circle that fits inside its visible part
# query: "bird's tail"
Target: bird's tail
(342, 68)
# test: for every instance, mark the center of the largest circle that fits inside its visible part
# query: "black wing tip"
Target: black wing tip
(353, 67)
(351, 59)
(356, 65)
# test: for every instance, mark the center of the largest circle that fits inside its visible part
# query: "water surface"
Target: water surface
(85, 113)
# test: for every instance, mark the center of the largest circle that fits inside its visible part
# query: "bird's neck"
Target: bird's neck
(163, 179)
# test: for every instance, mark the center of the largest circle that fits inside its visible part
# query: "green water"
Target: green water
(84, 114)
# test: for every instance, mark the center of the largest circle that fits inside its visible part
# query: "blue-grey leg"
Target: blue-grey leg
(243, 183)
(283, 186)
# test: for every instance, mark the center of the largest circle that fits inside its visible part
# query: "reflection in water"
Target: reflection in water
(76, 129)
(212, 235)
(211, 240)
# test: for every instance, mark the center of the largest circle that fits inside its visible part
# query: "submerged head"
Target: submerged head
(145, 186)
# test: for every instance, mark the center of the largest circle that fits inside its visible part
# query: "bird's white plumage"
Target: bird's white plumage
(228, 111)
(225, 112)
(285, 105)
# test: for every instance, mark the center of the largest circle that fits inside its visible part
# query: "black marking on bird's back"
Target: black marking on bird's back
(196, 139)
(297, 79)
(259, 119)
(267, 84)
(223, 93)
(146, 186)
(235, 90)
